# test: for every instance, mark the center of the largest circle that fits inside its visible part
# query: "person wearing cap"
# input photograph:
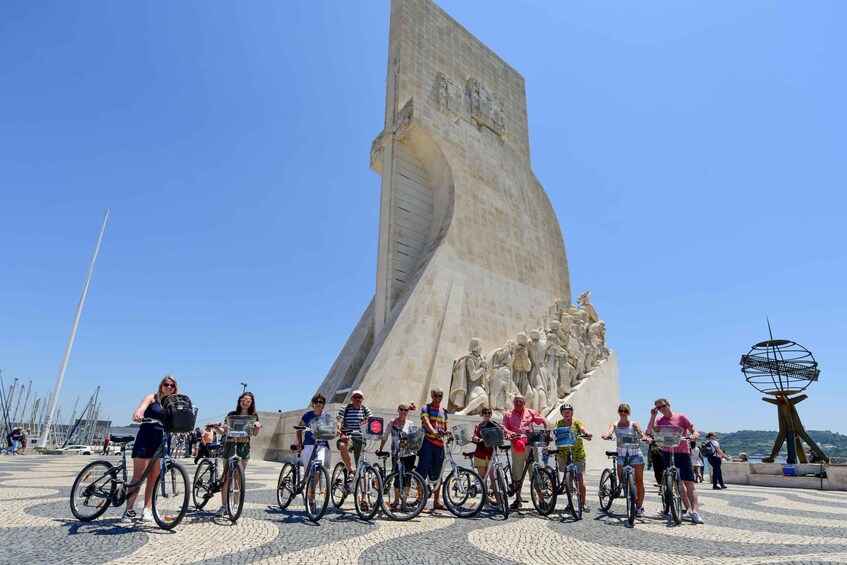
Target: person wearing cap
(518, 422)
(350, 421)
(661, 415)
(578, 453)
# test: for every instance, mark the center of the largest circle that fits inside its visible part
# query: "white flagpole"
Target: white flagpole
(42, 440)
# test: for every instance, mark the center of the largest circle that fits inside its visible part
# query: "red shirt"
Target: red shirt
(680, 421)
(521, 423)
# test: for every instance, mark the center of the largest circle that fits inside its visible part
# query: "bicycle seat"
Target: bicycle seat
(121, 439)
(300, 428)
(611, 454)
(468, 454)
(552, 450)
(294, 447)
(382, 454)
(506, 447)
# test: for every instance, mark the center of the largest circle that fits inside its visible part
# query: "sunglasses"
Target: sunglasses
(662, 406)
(623, 411)
(246, 399)
(403, 409)
(357, 398)
(169, 385)
(318, 402)
(487, 413)
(437, 395)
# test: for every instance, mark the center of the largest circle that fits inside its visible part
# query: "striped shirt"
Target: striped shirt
(438, 420)
(353, 419)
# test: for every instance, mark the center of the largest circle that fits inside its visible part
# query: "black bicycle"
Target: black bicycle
(407, 485)
(313, 481)
(101, 484)
(609, 488)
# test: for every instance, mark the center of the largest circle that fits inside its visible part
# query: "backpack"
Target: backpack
(707, 449)
(178, 414)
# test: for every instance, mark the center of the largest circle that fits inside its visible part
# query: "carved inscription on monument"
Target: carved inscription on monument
(474, 103)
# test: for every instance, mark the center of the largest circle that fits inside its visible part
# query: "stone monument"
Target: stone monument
(469, 244)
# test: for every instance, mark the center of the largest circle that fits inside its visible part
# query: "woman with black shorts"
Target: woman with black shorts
(147, 441)
(246, 406)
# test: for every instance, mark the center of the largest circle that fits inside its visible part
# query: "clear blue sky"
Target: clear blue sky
(694, 153)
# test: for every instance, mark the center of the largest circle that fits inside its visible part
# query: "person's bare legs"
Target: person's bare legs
(639, 485)
(689, 495)
(139, 464)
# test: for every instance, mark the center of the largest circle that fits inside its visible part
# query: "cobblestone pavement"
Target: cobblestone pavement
(743, 525)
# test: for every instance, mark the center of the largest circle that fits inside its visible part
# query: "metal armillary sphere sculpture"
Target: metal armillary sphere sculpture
(782, 368)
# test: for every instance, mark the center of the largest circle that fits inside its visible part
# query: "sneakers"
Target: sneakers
(146, 515)
(129, 516)
(695, 518)
(639, 512)
(221, 512)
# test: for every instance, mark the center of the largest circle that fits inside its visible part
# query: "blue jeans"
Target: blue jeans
(430, 461)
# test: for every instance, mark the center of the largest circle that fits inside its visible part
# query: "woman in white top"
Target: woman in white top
(626, 427)
(397, 431)
(696, 461)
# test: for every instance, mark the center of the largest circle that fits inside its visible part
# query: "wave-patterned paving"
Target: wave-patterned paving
(744, 524)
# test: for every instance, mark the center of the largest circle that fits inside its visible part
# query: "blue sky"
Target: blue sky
(693, 152)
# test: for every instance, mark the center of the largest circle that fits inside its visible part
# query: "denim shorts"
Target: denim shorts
(633, 460)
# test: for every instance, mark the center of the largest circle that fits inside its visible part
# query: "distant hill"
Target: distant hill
(757, 442)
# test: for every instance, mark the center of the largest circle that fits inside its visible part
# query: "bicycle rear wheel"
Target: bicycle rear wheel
(675, 499)
(574, 496)
(235, 494)
(463, 492)
(203, 487)
(338, 488)
(543, 490)
(316, 494)
(170, 497)
(631, 494)
(91, 491)
(411, 498)
(606, 491)
(367, 493)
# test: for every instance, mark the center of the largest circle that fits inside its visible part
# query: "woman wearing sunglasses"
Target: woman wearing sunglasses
(244, 406)
(627, 427)
(147, 441)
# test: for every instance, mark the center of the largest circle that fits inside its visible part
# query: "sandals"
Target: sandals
(516, 504)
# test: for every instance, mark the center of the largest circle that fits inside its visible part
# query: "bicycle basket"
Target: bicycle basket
(462, 434)
(239, 426)
(538, 437)
(668, 436)
(565, 437)
(178, 414)
(492, 436)
(323, 427)
(375, 427)
(627, 441)
(414, 439)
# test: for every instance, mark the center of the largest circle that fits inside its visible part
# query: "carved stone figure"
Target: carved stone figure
(521, 366)
(501, 387)
(468, 389)
(539, 375)
(576, 354)
(585, 305)
(558, 364)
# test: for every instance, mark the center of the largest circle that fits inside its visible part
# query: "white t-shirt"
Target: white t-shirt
(696, 459)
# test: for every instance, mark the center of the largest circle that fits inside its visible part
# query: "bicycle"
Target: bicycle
(493, 437)
(408, 484)
(206, 480)
(315, 478)
(101, 484)
(568, 483)
(463, 490)
(367, 480)
(609, 488)
(670, 436)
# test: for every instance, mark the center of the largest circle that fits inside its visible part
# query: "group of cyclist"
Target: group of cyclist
(517, 425)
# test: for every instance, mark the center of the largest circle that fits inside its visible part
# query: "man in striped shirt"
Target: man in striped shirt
(350, 421)
(431, 455)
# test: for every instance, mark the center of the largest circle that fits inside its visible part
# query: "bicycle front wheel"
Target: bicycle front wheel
(367, 494)
(316, 495)
(91, 491)
(673, 497)
(410, 497)
(543, 490)
(235, 494)
(338, 488)
(606, 492)
(286, 485)
(503, 488)
(203, 487)
(170, 498)
(574, 496)
(630, 498)
(463, 492)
